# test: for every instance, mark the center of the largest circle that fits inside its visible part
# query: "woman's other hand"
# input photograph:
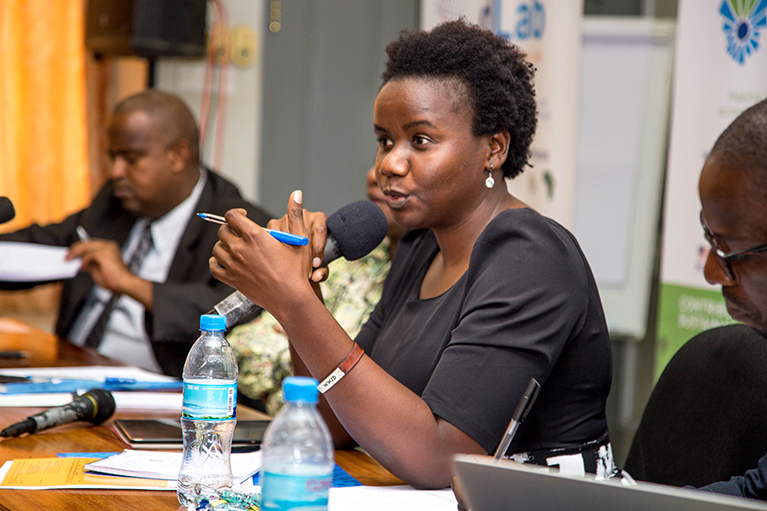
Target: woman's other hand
(268, 272)
(316, 226)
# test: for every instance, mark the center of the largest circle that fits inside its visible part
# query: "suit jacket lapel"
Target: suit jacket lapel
(103, 219)
(193, 234)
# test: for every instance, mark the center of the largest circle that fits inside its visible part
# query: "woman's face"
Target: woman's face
(375, 194)
(429, 164)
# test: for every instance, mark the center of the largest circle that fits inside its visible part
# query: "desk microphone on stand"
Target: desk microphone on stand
(6, 210)
(95, 406)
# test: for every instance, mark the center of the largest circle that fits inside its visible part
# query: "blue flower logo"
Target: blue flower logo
(743, 19)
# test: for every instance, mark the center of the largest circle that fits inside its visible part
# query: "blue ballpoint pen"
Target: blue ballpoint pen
(119, 380)
(284, 237)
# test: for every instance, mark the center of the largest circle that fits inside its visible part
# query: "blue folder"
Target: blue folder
(67, 385)
(341, 478)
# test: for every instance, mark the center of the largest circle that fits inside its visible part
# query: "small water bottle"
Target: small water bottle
(298, 462)
(209, 412)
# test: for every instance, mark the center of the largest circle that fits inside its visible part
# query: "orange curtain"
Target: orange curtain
(43, 143)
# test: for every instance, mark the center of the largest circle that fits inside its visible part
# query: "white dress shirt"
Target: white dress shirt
(125, 338)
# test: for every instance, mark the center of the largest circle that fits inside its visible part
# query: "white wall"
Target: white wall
(241, 154)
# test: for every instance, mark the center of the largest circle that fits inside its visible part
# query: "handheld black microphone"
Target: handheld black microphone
(6, 210)
(353, 232)
(95, 406)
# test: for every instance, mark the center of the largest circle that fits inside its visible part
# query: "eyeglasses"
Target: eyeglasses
(721, 252)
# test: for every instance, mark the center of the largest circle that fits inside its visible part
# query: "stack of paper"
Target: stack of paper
(31, 262)
(134, 470)
(158, 471)
(385, 498)
(167, 401)
(55, 386)
(165, 465)
(93, 373)
(51, 473)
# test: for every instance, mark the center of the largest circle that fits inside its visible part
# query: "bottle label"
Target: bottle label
(303, 492)
(207, 401)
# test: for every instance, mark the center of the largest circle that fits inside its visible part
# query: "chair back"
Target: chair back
(706, 419)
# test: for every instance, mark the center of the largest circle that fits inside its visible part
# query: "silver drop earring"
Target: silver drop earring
(490, 182)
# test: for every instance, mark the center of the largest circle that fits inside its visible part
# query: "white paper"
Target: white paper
(386, 498)
(171, 485)
(42, 400)
(124, 400)
(381, 498)
(97, 373)
(168, 401)
(30, 262)
(165, 465)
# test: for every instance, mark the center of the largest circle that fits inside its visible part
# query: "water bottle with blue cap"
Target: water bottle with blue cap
(297, 468)
(209, 413)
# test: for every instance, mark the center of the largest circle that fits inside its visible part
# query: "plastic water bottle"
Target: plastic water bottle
(298, 462)
(209, 412)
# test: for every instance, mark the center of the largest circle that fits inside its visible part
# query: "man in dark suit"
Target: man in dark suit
(733, 196)
(706, 418)
(140, 241)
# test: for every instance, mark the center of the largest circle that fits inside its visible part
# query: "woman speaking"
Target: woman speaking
(483, 293)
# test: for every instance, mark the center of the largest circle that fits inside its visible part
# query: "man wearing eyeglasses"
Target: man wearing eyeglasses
(733, 196)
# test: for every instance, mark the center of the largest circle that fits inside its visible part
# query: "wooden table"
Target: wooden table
(49, 351)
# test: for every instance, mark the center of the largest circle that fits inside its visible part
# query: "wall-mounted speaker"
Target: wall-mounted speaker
(146, 28)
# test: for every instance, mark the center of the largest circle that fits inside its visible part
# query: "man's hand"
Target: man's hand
(102, 260)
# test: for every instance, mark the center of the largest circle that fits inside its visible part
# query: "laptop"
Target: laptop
(509, 485)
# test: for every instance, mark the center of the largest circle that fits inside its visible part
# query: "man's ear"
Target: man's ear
(178, 155)
(499, 147)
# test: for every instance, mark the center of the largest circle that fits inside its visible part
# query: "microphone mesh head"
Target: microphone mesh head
(6, 210)
(105, 405)
(358, 228)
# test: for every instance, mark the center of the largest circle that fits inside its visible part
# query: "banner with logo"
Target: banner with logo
(549, 31)
(720, 70)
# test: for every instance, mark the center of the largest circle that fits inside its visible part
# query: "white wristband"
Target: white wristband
(331, 380)
(346, 365)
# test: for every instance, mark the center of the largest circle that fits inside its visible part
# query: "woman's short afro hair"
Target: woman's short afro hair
(498, 78)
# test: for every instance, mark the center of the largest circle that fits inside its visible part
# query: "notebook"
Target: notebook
(510, 485)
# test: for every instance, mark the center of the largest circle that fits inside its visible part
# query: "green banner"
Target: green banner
(684, 312)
